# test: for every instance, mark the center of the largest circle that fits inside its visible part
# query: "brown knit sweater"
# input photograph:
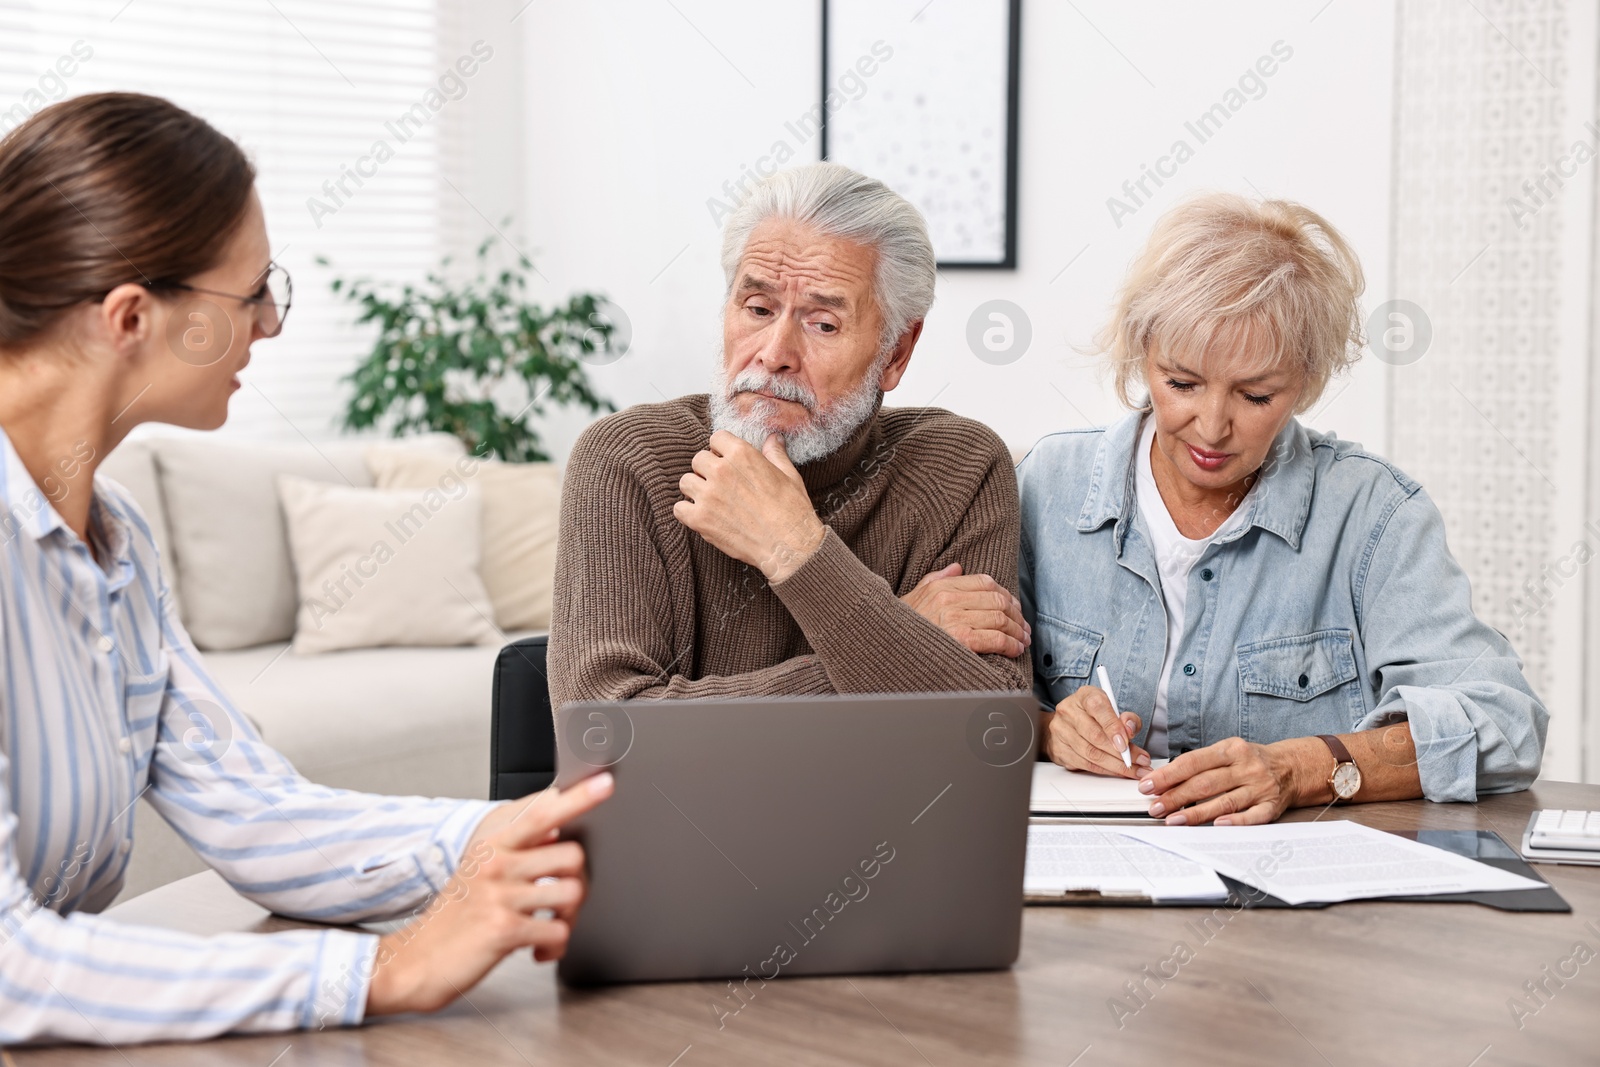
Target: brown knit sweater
(645, 607)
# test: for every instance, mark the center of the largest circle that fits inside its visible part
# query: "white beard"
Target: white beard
(823, 433)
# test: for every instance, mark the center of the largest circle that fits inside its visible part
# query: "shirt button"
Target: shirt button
(1188, 668)
(105, 643)
(1206, 575)
(124, 746)
(1304, 681)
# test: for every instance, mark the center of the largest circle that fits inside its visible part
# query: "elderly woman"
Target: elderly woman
(1277, 609)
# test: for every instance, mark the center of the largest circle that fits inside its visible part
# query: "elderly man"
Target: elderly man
(784, 535)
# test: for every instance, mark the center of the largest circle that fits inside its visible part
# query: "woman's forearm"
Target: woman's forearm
(1386, 757)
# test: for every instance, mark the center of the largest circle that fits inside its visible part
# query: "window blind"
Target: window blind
(310, 89)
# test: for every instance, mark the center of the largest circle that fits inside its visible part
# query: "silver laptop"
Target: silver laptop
(800, 835)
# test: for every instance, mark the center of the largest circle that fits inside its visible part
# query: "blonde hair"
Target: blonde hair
(1220, 267)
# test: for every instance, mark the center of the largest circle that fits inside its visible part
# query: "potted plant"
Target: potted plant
(476, 358)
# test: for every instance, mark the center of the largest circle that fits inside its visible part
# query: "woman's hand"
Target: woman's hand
(513, 870)
(1084, 734)
(1232, 783)
(974, 609)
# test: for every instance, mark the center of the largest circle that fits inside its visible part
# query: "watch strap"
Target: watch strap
(1336, 746)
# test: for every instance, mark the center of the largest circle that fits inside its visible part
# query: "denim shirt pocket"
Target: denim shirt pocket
(1298, 686)
(1066, 654)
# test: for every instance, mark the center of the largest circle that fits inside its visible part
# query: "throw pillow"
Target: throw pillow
(230, 552)
(378, 567)
(521, 519)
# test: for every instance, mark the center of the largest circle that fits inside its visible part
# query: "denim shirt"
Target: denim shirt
(1336, 607)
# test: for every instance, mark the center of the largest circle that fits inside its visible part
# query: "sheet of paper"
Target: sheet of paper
(1058, 790)
(1329, 860)
(1064, 858)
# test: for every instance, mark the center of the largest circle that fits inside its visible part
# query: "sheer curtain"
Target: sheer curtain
(1494, 238)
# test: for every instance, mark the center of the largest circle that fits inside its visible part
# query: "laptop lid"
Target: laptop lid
(795, 835)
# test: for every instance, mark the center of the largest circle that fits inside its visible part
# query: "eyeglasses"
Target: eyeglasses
(273, 298)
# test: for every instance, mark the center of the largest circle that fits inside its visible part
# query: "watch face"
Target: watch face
(1346, 780)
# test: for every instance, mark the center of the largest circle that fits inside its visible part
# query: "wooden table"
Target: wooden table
(1360, 983)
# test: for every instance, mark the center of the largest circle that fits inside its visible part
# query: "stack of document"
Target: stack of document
(1067, 862)
(1299, 863)
(1329, 861)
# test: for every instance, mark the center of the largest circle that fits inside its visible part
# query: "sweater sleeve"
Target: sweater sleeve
(613, 635)
(871, 641)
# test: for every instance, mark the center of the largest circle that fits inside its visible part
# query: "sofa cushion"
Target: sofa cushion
(521, 518)
(380, 567)
(355, 719)
(230, 550)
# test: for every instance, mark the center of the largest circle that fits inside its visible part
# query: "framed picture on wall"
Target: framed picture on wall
(923, 95)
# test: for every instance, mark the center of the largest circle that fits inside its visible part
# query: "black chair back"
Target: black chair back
(522, 742)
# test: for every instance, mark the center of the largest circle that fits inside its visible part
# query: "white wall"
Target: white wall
(638, 112)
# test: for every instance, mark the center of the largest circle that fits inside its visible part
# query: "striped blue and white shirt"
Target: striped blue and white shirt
(103, 699)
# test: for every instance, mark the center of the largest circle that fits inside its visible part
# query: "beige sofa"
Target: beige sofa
(409, 721)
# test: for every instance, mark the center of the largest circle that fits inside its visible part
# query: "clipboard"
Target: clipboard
(1485, 846)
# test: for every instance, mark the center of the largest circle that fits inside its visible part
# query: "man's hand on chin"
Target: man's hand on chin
(751, 504)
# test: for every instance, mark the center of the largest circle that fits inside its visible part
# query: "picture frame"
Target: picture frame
(925, 97)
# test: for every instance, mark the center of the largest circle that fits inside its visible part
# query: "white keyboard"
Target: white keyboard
(1566, 830)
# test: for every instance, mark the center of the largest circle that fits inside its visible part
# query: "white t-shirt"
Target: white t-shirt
(1175, 556)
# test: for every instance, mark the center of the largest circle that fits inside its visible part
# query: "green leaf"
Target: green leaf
(484, 334)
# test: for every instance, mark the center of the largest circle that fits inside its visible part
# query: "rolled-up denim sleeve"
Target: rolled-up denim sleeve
(1477, 724)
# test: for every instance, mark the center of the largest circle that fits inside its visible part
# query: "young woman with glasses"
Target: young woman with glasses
(135, 275)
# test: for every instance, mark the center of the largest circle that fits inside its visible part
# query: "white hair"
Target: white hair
(841, 203)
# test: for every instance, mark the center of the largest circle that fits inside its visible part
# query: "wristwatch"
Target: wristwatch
(1345, 781)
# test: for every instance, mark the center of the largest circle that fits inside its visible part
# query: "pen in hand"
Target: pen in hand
(1105, 683)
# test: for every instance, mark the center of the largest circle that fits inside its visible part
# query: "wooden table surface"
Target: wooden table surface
(1358, 983)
